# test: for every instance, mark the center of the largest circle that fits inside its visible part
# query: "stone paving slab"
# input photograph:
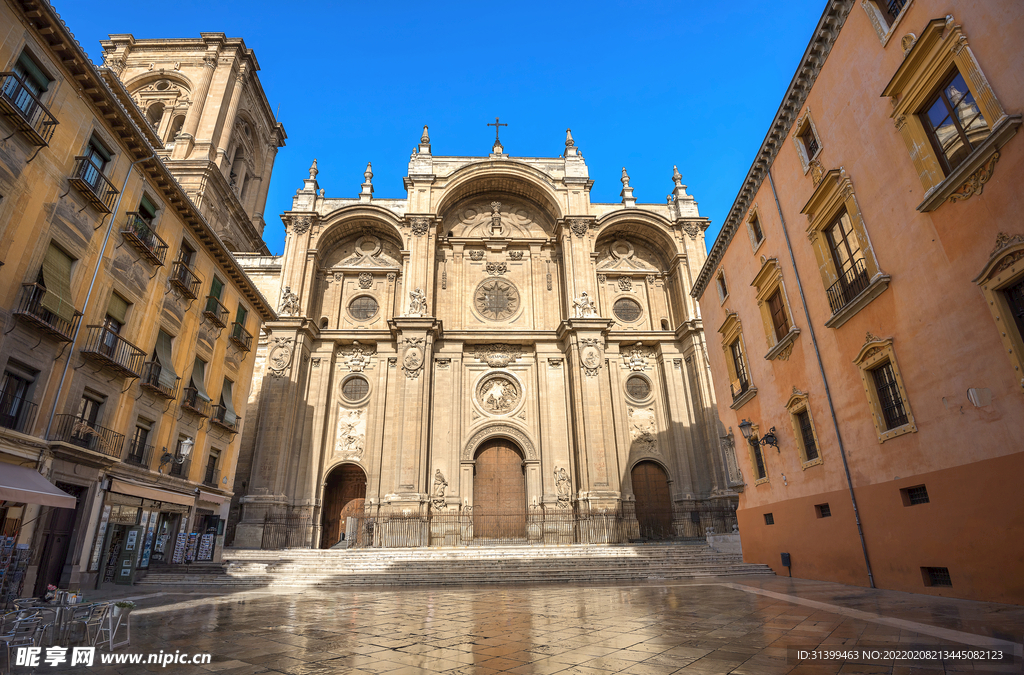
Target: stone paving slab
(743, 625)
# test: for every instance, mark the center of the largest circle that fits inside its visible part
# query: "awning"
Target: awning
(156, 494)
(211, 497)
(24, 485)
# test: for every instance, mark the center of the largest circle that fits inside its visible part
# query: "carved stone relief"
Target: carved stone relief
(351, 433)
(498, 355)
(641, 430)
(498, 394)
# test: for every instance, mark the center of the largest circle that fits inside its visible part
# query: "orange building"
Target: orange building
(867, 289)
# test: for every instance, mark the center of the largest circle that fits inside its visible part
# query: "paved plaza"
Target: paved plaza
(740, 625)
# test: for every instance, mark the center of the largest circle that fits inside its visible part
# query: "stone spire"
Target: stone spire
(310, 184)
(366, 194)
(570, 145)
(313, 171)
(627, 192)
(679, 191)
(424, 147)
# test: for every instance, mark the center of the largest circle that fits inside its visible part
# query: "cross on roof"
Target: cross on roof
(497, 128)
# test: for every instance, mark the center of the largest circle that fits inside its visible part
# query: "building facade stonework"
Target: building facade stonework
(493, 342)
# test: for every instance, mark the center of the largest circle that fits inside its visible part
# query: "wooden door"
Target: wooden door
(499, 492)
(343, 498)
(653, 502)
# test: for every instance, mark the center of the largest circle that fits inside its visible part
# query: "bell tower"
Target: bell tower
(220, 136)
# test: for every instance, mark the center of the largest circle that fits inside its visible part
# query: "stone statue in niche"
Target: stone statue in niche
(289, 302)
(562, 487)
(583, 307)
(440, 485)
(417, 303)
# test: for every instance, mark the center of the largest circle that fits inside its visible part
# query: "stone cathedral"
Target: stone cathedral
(491, 343)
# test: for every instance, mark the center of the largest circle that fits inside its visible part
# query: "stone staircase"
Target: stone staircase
(338, 568)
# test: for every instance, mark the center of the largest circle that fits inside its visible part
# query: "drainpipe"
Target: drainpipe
(88, 296)
(828, 392)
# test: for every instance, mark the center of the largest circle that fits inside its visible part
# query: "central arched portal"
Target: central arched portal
(499, 491)
(653, 502)
(344, 492)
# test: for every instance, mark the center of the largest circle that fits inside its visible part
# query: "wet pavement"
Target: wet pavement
(739, 625)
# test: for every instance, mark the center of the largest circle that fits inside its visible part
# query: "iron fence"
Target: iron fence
(848, 286)
(287, 532)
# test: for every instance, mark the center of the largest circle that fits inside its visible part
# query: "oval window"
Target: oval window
(627, 309)
(362, 308)
(355, 389)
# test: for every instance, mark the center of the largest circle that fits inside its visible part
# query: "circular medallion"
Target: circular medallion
(622, 249)
(413, 358)
(591, 357)
(279, 357)
(368, 245)
(496, 299)
(627, 310)
(498, 394)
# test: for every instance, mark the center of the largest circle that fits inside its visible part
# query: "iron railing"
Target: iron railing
(896, 6)
(191, 400)
(379, 527)
(25, 110)
(211, 476)
(77, 431)
(851, 284)
(215, 311)
(218, 415)
(180, 470)
(139, 454)
(94, 186)
(241, 337)
(286, 532)
(185, 280)
(16, 412)
(113, 351)
(139, 233)
(151, 380)
(30, 309)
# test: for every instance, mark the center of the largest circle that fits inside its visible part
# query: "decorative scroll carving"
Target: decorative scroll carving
(496, 268)
(476, 255)
(601, 278)
(391, 277)
(1003, 240)
(817, 171)
(636, 357)
(578, 226)
(280, 355)
(498, 355)
(515, 255)
(443, 363)
(316, 362)
(365, 280)
(555, 362)
(493, 430)
(300, 225)
(563, 488)
(289, 303)
(1008, 262)
(975, 183)
(590, 356)
(420, 226)
(625, 284)
(651, 279)
(691, 228)
(412, 360)
(785, 353)
(355, 357)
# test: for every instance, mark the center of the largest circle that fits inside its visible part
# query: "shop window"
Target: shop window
(883, 386)
(948, 115)
(775, 315)
(849, 270)
(803, 429)
(1002, 283)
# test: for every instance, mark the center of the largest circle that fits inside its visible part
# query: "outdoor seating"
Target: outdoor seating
(25, 633)
(90, 617)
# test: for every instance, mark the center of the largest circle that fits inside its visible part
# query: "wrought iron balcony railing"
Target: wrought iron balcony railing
(94, 186)
(211, 476)
(191, 400)
(151, 381)
(848, 287)
(25, 110)
(31, 310)
(185, 280)
(16, 413)
(180, 470)
(215, 311)
(219, 416)
(76, 431)
(139, 454)
(111, 350)
(140, 234)
(241, 337)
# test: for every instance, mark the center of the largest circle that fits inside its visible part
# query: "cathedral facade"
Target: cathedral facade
(493, 343)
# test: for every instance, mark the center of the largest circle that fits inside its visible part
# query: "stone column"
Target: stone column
(224, 138)
(186, 139)
(261, 200)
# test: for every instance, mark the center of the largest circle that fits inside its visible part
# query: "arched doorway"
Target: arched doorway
(344, 492)
(653, 502)
(499, 491)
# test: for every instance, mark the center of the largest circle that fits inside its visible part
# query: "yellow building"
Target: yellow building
(128, 328)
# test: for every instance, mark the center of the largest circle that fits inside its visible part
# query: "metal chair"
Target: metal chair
(25, 634)
(8, 620)
(50, 626)
(108, 629)
(90, 617)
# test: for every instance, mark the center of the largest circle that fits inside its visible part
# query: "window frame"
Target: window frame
(732, 336)
(798, 404)
(722, 287)
(803, 125)
(940, 95)
(768, 282)
(754, 221)
(883, 27)
(875, 353)
(1005, 269)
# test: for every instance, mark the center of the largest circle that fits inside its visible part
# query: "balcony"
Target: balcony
(139, 233)
(30, 309)
(76, 431)
(218, 416)
(111, 350)
(139, 454)
(185, 280)
(16, 413)
(94, 186)
(151, 381)
(25, 110)
(851, 284)
(216, 312)
(192, 401)
(180, 470)
(211, 477)
(241, 337)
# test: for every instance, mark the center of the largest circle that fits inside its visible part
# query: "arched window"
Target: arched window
(176, 125)
(155, 114)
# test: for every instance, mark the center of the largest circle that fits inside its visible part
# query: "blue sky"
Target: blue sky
(643, 85)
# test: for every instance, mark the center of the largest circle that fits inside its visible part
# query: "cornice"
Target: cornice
(822, 40)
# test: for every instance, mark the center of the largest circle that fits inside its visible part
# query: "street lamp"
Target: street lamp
(184, 450)
(770, 438)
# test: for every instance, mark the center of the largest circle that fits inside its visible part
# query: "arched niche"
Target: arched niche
(512, 179)
(497, 214)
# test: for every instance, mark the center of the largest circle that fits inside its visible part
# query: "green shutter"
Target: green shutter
(164, 356)
(216, 287)
(30, 70)
(225, 400)
(198, 375)
(57, 279)
(146, 207)
(117, 308)
(241, 315)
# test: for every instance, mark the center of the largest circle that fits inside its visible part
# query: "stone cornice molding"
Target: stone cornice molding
(824, 36)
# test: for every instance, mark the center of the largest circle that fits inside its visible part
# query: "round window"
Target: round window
(355, 389)
(638, 388)
(627, 309)
(362, 308)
